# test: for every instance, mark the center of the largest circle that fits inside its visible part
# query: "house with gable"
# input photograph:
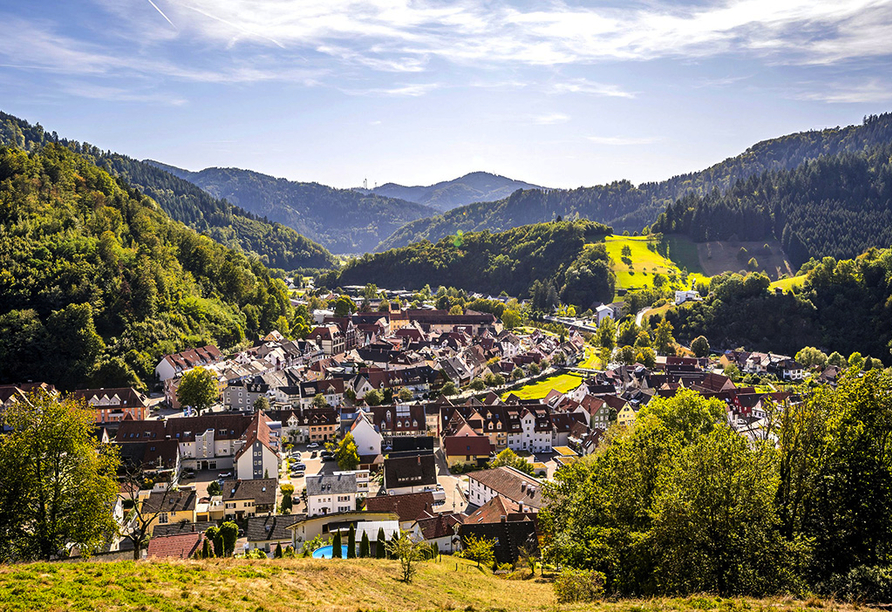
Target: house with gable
(257, 458)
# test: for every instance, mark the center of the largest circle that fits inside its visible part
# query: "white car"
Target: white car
(313, 445)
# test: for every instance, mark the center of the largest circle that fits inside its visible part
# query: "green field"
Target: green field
(561, 382)
(786, 284)
(646, 263)
(591, 360)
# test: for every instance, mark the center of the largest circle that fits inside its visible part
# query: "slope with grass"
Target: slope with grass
(235, 585)
(644, 262)
(538, 390)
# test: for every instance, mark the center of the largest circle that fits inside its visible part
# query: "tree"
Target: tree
(835, 359)
(810, 356)
(380, 550)
(477, 384)
(214, 488)
(364, 546)
(228, 533)
(732, 372)
(627, 355)
(213, 535)
(57, 482)
(351, 542)
(261, 403)
(535, 369)
(628, 333)
(646, 357)
(373, 397)
(511, 318)
(626, 251)
(856, 360)
(516, 374)
(606, 334)
(346, 453)
(700, 346)
(197, 389)
(456, 310)
(336, 546)
(663, 339)
(510, 459)
(207, 552)
(405, 395)
(143, 513)
(478, 549)
(278, 552)
(319, 401)
(448, 388)
(409, 552)
(344, 307)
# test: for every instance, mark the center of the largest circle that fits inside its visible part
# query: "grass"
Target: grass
(538, 390)
(645, 262)
(591, 360)
(787, 284)
(233, 585)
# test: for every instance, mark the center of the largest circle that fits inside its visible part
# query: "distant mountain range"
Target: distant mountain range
(446, 195)
(343, 220)
(625, 206)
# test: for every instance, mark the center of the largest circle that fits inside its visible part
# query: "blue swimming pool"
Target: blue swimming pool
(324, 552)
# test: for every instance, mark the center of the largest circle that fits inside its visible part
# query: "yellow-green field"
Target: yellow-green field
(285, 585)
(561, 382)
(787, 284)
(645, 263)
(591, 360)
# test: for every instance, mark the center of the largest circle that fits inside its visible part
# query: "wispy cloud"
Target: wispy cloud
(412, 91)
(551, 118)
(117, 94)
(621, 141)
(873, 90)
(585, 86)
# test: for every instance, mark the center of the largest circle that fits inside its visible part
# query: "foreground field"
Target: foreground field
(318, 585)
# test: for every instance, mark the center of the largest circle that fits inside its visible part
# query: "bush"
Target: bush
(865, 583)
(577, 585)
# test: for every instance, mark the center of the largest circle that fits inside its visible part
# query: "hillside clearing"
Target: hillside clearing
(645, 263)
(725, 256)
(538, 390)
(787, 284)
(319, 585)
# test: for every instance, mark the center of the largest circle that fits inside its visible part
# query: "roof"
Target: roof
(331, 484)
(513, 484)
(261, 490)
(258, 431)
(494, 510)
(183, 500)
(264, 528)
(409, 507)
(180, 528)
(414, 471)
(466, 445)
(122, 397)
(178, 546)
(439, 526)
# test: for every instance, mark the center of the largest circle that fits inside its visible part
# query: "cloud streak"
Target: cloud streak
(619, 141)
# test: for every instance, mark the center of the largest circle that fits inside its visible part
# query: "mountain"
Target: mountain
(625, 206)
(837, 206)
(549, 255)
(446, 195)
(97, 282)
(344, 220)
(276, 245)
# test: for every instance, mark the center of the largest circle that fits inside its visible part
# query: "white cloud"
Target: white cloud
(412, 91)
(551, 118)
(620, 141)
(873, 90)
(588, 87)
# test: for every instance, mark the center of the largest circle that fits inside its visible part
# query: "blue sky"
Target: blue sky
(560, 94)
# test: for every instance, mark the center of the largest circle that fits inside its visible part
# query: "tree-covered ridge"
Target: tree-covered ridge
(833, 206)
(344, 220)
(446, 195)
(511, 261)
(96, 282)
(843, 306)
(624, 206)
(276, 245)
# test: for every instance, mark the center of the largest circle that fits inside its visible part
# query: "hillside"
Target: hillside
(344, 220)
(835, 206)
(511, 261)
(235, 585)
(446, 195)
(276, 245)
(97, 282)
(624, 206)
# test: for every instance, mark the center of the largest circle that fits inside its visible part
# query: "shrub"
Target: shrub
(577, 585)
(865, 583)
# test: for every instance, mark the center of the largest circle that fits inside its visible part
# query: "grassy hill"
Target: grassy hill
(318, 585)
(646, 261)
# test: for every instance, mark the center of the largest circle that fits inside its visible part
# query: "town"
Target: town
(374, 423)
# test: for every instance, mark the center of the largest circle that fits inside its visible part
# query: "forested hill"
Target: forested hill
(344, 220)
(96, 281)
(627, 207)
(446, 195)
(551, 255)
(835, 206)
(276, 245)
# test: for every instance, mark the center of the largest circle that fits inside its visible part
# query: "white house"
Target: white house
(687, 296)
(368, 439)
(509, 482)
(603, 312)
(330, 494)
(257, 458)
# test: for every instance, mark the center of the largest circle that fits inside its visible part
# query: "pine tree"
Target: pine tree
(278, 553)
(336, 552)
(380, 551)
(364, 546)
(351, 542)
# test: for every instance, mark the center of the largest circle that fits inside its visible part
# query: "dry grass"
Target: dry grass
(318, 585)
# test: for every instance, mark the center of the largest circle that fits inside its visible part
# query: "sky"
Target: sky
(560, 94)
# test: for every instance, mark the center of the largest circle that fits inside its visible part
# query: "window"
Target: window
(163, 518)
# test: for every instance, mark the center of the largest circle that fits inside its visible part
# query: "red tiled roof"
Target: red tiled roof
(409, 507)
(178, 546)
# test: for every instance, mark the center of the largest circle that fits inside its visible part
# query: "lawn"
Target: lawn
(591, 360)
(239, 585)
(787, 284)
(561, 382)
(645, 262)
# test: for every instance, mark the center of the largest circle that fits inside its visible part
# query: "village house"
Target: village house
(246, 498)
(509, 482)
(329, 494)
(113, 405)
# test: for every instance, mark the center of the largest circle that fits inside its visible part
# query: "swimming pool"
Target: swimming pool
(324, 552)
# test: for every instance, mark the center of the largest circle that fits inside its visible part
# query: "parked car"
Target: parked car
(298, 467)
(313, 445)
(223, 475)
